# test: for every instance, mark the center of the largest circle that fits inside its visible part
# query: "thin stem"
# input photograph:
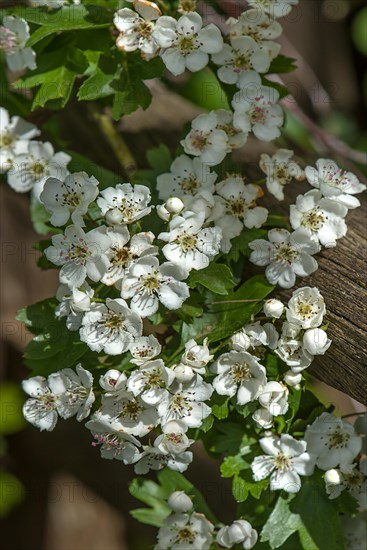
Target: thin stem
(114, 138)
(232, 302)
(353, 414)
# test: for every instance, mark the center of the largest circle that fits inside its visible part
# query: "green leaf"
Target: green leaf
(65, 19)
(154, 496)
(238, 307)
(225, 437)
(281, 524)
(282, 64)
(219, 406)
(11, 401)
(240, 244)
(39, 217)
(233, 465)
(99, 83)
(215, 277)
(243, 485)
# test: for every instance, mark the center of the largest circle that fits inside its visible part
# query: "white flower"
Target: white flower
(235, 207)
(274, 397)
(361, 428)
(306, 308)
(138, 32)
(14, 34)
(285, 460)
(31, 169)
(73, 392)
(72, 196)
(255, 337)
(113, 381)
(144, 349)
(315, 341)
(236, 138)
(275, 8)
(147, 283)
(130, 414)
(292, 352)
(186, 178)
(263, 418)
(293, 379)
(349, 477)
(254, 23)
(191, 246)
(131, 201)
(322, 217)
(334, 182)
(80, 254)
(163, 212)
(40, 410)
(114, 442)
(186, 403)
(243, 55)
(256, 109)
(173, 439)
(73, 304)
(197, 356)
(240, 532)
(239, 373)
(273, 308)
(15, 134)
(285, 255)
(182, 531)
(178, 501)
(122, 254)
(151, 381)
(354, 531)
(333, 441)
(192, 45)
(174, 205)
(110, 327)
(205, 140)
(280, 170)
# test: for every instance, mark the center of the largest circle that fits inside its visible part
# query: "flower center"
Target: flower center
(79, 252)
(281, 174)
(121, 256)
(8, 40)
(313, 220)
(150, 282)
(236, 207)
(305, 310)
(154, 378)
(282, 461)
(241, 61)
(109, 442)
(187, 44)
(189, 185)
(71, 198)
(240, 372)
(199, 140)
(258, 115)
(114, 321)
(187, 6)
(187, 241)
(145, 29)
(6, 139)
(131, 409)
(286, 253)
(180, 405)
(38, 168)
(338, 440)
(186, 535)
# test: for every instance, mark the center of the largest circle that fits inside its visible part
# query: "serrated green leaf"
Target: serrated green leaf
(281, 523)
(39, 218)
(282, 64)
(216, 277)
(219, 406)
(243, 485)
(233, 465)
(99, 82)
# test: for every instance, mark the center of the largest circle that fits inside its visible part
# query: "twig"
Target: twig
(232, 302)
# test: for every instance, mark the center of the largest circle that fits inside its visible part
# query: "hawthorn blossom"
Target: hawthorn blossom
(80, 254)
(333, 441)
(236, 138)
(275, 8)
(263, 418)
(239, 373)
(147, 283)
(144, 349)
(187, 177)
(256, 108)
(122, 254)
(71, 197)
(73, 392)
(14, 34)
(285, 255)
(240, 532)
(335, 183)
(285, 460)
(255, 337)
(322, 217)
(315, 341)
(242, 55)
(306, 307)
(256, 24)
(173, 439)
(30, 169)
(181, 531)
(290, 348)
(15, 134)
(189, 244)
(192, 44)
(130, 202)
(235, 208)
(280, 170)
(206, 140)
(186, 403)
(197, 356)
(114, 442)
(73, 304)
(41, 409)
(129, 413)
(110, 327)
(141, 32)
(178, 501)
(113, 382)
(151, 381)
(350, 477)
(273, 308)
(274, 398)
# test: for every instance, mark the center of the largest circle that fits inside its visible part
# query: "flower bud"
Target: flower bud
(174, 205)
(183, 373)
(163, 212)
(273, 308)
(292, 379)
(263, 418)
(239, 532)
(180, 502)
(112, 380)
(315, 341)
(114, 216)
(333, 477)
